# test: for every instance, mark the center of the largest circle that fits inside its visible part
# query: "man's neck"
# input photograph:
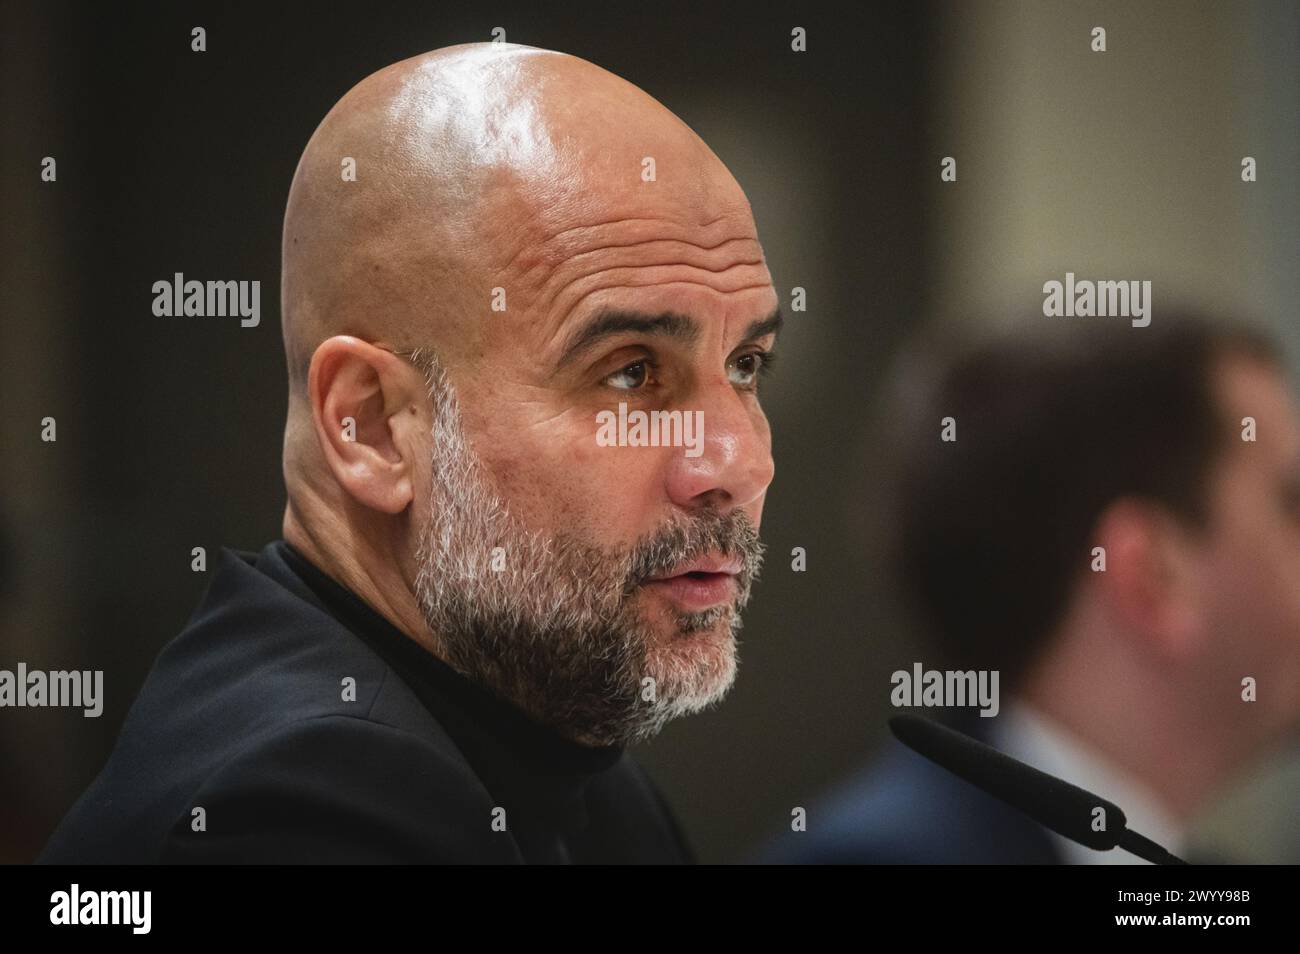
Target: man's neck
(349, 564)
(1140, 732)
(1039, 740)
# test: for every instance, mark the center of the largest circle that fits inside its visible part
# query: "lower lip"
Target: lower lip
(696, 593)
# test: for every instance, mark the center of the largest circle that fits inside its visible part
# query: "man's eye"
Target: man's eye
(631, 377)
(744, 371)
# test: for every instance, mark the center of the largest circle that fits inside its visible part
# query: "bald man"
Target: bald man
(525, 315)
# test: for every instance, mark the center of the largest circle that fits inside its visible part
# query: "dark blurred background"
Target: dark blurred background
(1124, 164)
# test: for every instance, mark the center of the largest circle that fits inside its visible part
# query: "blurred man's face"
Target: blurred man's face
(1252, 569)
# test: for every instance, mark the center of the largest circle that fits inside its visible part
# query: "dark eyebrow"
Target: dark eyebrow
(763, 327)
(669, 324)
(609, 323)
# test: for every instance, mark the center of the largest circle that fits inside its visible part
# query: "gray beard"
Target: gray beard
(551, 622)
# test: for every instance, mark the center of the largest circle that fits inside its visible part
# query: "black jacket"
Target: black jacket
(246, 716)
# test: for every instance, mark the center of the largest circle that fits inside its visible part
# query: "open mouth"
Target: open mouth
(697, 588)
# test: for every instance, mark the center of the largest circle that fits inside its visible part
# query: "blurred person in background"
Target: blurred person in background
(1153, 682)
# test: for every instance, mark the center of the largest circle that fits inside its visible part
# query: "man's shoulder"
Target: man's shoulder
(338, 788)
(259, 656)
(263, 702)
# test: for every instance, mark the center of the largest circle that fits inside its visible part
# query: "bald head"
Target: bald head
(562, 246)
(447, 175)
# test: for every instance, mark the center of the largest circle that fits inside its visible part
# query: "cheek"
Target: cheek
(1252, 585)
(1255, 580)
(1271, 551)
(1285, 552)
(556, 477)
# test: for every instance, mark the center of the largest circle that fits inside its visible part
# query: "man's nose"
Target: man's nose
(730, 463)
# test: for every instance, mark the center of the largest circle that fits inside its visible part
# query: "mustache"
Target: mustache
(733, 535)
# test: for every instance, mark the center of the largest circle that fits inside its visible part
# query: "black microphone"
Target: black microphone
(1064, 808)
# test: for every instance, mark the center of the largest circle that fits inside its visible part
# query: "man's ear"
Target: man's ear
(364, 402)
(1150, 579)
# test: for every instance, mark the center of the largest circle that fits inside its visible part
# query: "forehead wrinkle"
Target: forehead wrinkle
(630, 219)
(556, 329)
(690, 260)
(646, 242)
(541, 247)
(651, 256)
(733, 278)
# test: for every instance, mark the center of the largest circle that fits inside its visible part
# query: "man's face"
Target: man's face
(644, 553)
(1252, 564)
